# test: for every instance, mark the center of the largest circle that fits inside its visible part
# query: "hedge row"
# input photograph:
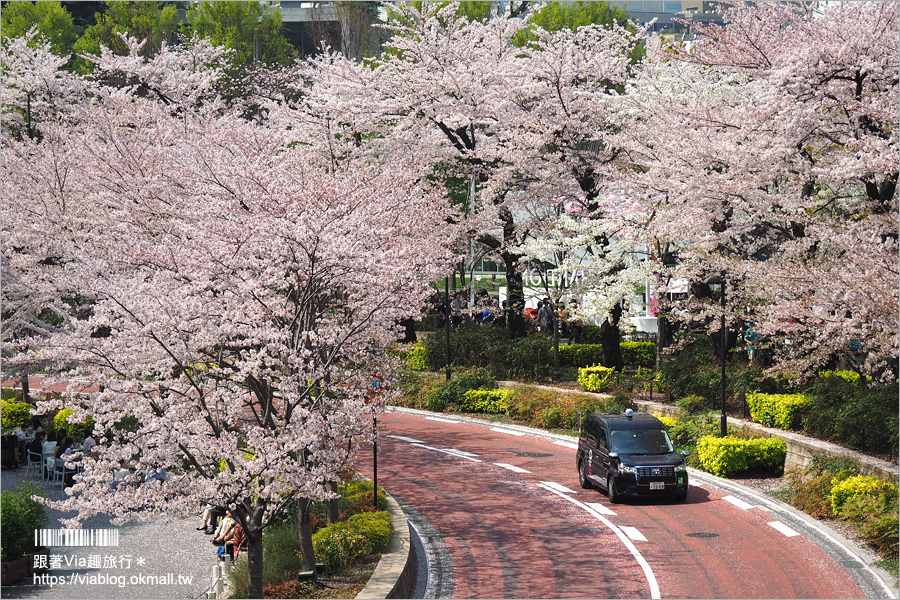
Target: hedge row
(14, 414)
(724, 456)
(345, 542)
(486, 401)
(596, 378)
(844, 492)
(777, 410)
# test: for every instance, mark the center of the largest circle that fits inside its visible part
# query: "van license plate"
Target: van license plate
(657, 485)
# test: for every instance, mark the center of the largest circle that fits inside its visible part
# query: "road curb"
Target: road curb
(394, 576)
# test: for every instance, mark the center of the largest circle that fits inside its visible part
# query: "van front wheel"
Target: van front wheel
(612, 491)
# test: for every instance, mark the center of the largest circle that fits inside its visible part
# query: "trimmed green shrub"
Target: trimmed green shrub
(341, 544)
(486, 401)
(417, 357)
(74, 429)
(844, 491)
(848, 376)
(776, 410)
(729, 455)
(580, 355)
(694, 404)
(596, 378)
(21, 515)
(527, 358)
(9, 394)
(14, 414)
(590, 335)
(640, 354)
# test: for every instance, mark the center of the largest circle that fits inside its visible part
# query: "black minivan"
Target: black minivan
(630, 454)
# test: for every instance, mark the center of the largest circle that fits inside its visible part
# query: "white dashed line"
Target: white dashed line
(645, 566)
(601, 508)
(633, 533)
(783, 528)
(450, 451)
(512, 468)
(737, 502)
(406, 439)
(558, 487)
(440, 420)
(506, 431)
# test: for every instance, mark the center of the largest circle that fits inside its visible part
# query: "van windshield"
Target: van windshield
(641, 441)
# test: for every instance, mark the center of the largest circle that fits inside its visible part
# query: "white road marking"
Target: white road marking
(507, 431)
(406, 439)
(645, 566)
(557, 487)
(572, 445)
(601, 508)
(783, 528)
(448, 451)
(633, 533)
(440, 420)
(737, 502)
(513, 468)
(460, 452)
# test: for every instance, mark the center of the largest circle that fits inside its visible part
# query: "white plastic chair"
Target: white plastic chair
(34, 462)
(49, 451)
(57, 470)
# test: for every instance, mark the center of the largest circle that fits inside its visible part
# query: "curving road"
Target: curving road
(516, 524)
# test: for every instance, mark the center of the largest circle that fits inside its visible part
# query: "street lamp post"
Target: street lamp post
(717, 280)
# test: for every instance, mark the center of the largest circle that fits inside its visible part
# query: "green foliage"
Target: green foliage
(417, 357)
(485, 401)
(848, 376)
(21, 515)
(54, 24)
(776, 410)
(343, 543)
(596, 378)
(528, 358)
(9, 394)
(152, 21)
(863, 419)
(14, 414)
(881, 532)
(555, 16)
(640, 354)
(64, 421)
(281, 558)
(729, 455)
(590, 335)
(356, 497)
(694, 404)
(580, 355)
(843, 492)
(243, 27)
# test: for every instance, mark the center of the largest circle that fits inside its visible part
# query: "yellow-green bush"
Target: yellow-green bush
(64, 421)
(667, 421)
(776, 410)
(724, 456)
(340, 544)
(486, 401)
(846, 490)
(848, 376)
(417, 357)
(14, 414)
(596, 378)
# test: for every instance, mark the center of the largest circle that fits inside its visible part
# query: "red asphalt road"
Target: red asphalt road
(510, 538)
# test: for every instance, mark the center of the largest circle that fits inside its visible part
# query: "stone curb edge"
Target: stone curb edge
(394, 575)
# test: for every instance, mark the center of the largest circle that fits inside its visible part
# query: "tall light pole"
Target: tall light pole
(718, 280)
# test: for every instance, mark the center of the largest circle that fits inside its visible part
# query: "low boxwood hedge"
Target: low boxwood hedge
(14, 414)
(845, 491)
(596, 378)
(724, 456)
(343, 543)
(486, 401)
(776, 410)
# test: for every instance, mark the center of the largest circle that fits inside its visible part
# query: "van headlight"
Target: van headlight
(627, 469)
(680, 468)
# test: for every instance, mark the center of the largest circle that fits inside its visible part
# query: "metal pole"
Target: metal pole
(375, 460)
(448, 315)
(724, 429)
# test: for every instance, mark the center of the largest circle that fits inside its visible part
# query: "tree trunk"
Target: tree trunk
(610, 338)
(255, 552)
(26, 391)
(515, 297)
(307, 554)
(661, 333)
(333, 512)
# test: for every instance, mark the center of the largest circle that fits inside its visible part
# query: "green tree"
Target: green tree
(250, 29)
(156, 22)
(53, 22)
(572, 15)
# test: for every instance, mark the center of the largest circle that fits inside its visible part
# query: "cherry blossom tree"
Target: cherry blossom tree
(240, 290)
(767, 151)
(464, 97)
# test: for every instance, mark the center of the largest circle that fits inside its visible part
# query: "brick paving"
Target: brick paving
(160, 552)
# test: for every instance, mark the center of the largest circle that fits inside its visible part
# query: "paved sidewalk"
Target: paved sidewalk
(167, 558)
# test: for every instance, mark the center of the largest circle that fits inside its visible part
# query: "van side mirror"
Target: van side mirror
(685, 453)
(614, 455)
